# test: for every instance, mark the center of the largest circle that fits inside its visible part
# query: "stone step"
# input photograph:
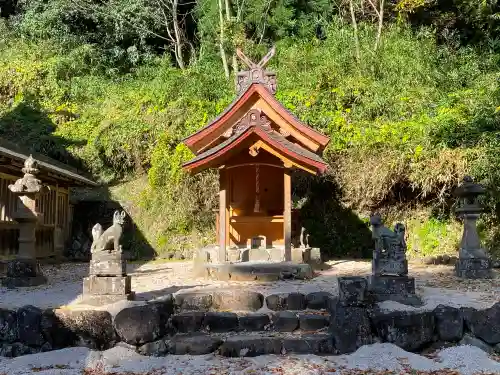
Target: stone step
(244, 300)
(250, 271)
(219, 322)
(241, 345)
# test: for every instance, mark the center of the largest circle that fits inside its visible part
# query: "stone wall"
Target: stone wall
(199, 323)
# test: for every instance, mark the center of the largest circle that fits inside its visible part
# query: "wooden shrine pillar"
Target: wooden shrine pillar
(287, 213)
(222, 215)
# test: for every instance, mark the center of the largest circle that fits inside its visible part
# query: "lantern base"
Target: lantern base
(23, 273)
(473, 268)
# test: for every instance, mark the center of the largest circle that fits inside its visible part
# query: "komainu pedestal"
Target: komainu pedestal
(107, 281)
(390, 280)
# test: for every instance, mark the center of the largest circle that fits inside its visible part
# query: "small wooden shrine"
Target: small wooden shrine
(256, 143)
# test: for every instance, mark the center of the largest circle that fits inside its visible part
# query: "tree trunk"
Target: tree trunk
(380, 24)
(177, 33)
(228, 18)
(221, 40)
(355, 28)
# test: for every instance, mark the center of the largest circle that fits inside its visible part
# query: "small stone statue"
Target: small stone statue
(389, 256)
(108, 240)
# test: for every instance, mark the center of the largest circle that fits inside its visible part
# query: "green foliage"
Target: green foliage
(406, 123)
(431, 237)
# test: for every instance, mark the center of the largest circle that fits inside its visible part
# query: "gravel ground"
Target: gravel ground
(435, 284)
(372, 359)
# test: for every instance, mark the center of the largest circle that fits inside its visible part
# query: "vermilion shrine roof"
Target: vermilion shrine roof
(257, 119)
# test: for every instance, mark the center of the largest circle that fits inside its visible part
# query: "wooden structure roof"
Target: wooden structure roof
(256, 119)
(257, 96)
(255, 135)
(12, 158)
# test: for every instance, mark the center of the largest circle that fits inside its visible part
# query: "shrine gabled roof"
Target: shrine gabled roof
(15, 152)
(217, 155)
(216, 127)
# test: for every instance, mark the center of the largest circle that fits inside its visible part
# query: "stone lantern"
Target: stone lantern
(473, 262)
(25, 270)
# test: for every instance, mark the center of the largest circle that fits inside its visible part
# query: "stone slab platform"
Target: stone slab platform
(261, 271)
(106, 299)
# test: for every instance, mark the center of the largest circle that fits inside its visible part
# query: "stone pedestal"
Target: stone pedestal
(474, 268)
(23, 273)
(353, 291)
(108, 281)
(394, 288)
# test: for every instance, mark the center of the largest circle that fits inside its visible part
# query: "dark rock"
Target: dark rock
(46, 347)
(312, 344)
(286, 301)
(467, 313)
(220, 321)
(350, 327)
(449, 323)
(277, 302)
(141, 324)
(94, 329)
(285, 321)
(165, 305)
(428, 260)
(312, 322)
(29, 327)
(194, 301)
(254, 322)
(353, 290)
(408, 330)
(189, 321)
(8, 326)
(194, 344)
(318, 300)
(55, 332)
(478, 343)
(497, 348)
(248, 346)
(485, 324)
(16, 349)
(157, 348)
(238, 300)
(296, 301)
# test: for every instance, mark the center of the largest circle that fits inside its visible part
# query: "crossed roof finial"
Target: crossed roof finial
(262, 63)
(256, 72)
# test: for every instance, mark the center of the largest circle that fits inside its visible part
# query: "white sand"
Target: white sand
(435, 284)
(465, 359)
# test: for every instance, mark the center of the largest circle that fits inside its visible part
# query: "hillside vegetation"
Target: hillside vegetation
(408, 91)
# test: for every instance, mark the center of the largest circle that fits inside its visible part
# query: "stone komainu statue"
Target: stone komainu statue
(109, 240)
(389, 255)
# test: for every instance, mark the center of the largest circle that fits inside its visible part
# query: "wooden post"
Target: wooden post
(287, 214)
(222, 215)
(56, 219)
